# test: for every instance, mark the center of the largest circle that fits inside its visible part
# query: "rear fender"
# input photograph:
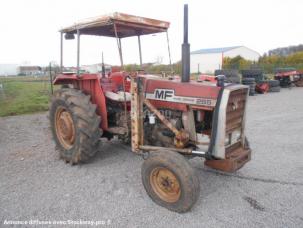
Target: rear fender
(89, 84)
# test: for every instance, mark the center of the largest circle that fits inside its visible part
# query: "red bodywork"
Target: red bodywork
(287, 74)
(262, 87)
(96, 86)
(190, 90)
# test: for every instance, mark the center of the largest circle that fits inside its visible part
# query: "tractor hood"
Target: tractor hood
(173, 91)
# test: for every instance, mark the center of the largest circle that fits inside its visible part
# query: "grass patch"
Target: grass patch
(23, 95)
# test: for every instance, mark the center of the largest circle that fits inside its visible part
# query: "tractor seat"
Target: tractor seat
(119, 96)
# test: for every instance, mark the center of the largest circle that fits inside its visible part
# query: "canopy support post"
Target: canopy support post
(169, 56)
(61, 52)
(121, 54)
(119, 45)
(140, 52)
(78, 52)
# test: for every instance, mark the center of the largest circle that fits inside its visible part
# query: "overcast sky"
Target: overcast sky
(29, 29)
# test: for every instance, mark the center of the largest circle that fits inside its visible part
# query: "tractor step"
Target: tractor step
(234, 160)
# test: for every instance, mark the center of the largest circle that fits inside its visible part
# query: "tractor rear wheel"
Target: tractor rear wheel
(170, 181)
(74, 125)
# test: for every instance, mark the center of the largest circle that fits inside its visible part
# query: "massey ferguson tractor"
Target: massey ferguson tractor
(166, 120)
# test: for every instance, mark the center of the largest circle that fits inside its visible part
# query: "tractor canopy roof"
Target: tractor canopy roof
(126, 26)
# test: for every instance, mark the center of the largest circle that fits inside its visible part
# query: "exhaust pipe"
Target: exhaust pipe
(185, 49)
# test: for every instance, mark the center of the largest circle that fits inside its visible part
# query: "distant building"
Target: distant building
(95, 68)
(208, 60)
(30, 70)
(8, 69)
(70, 69)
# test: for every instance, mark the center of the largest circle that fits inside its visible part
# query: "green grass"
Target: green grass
(21, 95)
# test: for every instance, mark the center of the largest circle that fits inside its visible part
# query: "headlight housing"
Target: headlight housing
(233, 137)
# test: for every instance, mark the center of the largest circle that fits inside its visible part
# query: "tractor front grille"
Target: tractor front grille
(235, 109)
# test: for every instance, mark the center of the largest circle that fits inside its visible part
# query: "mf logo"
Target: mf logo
(164, 94)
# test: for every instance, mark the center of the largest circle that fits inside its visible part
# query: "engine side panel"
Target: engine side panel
(175, 92)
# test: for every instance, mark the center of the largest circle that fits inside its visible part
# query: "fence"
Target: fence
(19, 95)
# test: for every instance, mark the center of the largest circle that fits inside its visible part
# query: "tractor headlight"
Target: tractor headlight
(236, 136)
(233, 137)
(227, 139)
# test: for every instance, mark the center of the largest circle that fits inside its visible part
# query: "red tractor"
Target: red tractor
(289, 78)
(166, 121)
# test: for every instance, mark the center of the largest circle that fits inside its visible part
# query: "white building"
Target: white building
(208, 60)
(95, 68)
(9, 69)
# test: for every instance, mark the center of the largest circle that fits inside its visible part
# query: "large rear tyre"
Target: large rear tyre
(274, 83)
(74, 125)
(170, 181)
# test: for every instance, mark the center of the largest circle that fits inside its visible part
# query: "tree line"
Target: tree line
(284, 51)
(268, 63)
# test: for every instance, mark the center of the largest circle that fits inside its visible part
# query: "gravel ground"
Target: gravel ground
(268, 192)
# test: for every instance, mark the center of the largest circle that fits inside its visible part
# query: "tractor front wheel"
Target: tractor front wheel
(74, 125)
(170, 181)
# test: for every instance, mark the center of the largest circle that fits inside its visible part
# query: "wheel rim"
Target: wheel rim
(165, 184)
(65, 128)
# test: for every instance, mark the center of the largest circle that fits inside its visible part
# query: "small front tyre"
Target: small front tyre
(170, 181)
